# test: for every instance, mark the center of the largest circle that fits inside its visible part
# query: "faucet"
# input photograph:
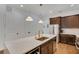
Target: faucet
(39, 33)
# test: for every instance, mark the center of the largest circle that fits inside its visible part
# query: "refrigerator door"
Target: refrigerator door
(56, 29)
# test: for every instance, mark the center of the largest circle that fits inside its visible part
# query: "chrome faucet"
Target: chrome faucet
(39, 33)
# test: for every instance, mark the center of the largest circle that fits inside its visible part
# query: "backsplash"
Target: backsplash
(71, 31)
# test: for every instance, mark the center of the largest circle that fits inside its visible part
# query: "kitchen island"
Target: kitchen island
(29, 44)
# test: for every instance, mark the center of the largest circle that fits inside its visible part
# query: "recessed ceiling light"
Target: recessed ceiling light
(71, 5)
(21, 6)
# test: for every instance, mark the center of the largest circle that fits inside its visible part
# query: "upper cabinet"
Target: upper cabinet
(55, 20)
(66, 22)
(70, 21)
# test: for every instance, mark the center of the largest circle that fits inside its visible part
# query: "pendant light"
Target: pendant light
(40, 21)
(29, 18)
(21, 5)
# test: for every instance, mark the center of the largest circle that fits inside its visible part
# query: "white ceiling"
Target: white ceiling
(45, 9)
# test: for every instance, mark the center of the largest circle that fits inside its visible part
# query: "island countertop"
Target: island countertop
(24, 45)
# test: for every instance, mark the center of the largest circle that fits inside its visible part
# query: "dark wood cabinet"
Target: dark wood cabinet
(44, 48)
(63, 22)
(67, 39)
(55, 20)
(70, 21)
(48, 47)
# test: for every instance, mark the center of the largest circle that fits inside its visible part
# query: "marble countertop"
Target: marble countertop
(24, 45)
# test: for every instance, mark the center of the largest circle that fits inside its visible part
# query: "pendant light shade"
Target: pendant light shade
(40, 21)
(29, 18)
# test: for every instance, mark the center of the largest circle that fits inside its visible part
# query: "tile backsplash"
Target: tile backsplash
(71, 31)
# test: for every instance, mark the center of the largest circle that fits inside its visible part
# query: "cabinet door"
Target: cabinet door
(66, 22)
(63, 22)
(55, 20)
(47, 48)
(70, 21)
(76, 21)
(44, 49)
(50, 47)
(54, 44)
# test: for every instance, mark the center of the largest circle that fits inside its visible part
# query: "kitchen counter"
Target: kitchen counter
(25, 45)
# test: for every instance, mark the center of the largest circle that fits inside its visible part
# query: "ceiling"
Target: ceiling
(45, 9)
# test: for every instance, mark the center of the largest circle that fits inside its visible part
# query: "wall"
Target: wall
(2, 29)
(12, 22)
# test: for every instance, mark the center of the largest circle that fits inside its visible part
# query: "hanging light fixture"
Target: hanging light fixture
(29, 18)
(40, 21)
(21, 5)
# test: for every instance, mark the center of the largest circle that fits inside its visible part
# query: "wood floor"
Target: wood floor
(66, 49)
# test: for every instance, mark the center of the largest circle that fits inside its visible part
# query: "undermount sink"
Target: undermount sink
(42, 38)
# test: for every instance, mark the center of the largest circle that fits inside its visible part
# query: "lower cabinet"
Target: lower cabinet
(44, 48)
(67, 39)
(48, 47)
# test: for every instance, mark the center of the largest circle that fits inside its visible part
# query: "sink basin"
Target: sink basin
(42, 38)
